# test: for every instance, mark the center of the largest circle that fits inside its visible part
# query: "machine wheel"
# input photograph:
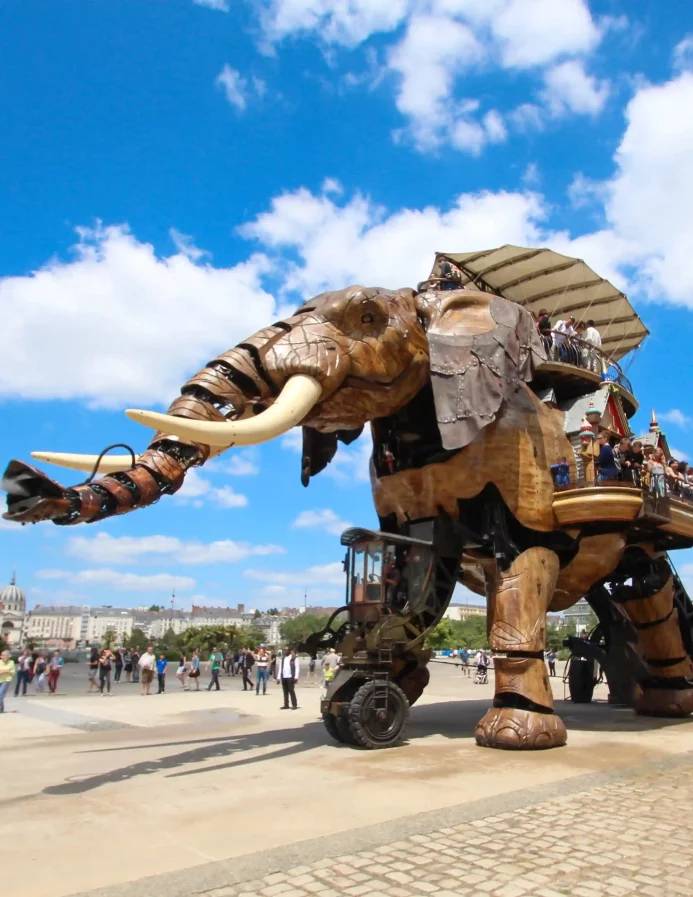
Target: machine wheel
(581, 680)
(366, 727)
(330, 723)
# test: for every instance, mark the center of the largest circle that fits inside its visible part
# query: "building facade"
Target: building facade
(12, 613)
(461, 612)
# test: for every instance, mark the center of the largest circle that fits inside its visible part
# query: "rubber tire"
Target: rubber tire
(358, 724)
(581, 680)
(331, 723)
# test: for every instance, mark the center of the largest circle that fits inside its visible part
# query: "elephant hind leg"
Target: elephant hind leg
(650, 607)
(522, 716)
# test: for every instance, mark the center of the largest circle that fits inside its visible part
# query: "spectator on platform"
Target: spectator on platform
(675, 477)
(7, 672)
(593, 337)
(147, 666)
(606, 464)
(562, 333)
(24, 666)
(656, 466)
(561, 472)
(544, 328)
(621, 457)
(636, 457)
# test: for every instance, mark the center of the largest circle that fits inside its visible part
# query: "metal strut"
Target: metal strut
(381, 679)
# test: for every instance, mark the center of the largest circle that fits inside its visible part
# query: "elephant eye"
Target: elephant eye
(368, 318)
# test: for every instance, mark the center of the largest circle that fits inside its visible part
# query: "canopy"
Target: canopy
(564, 286)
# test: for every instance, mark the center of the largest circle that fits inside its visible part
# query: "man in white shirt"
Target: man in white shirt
(593, 336)
(562, 331)
(147, 666)
(289, 676)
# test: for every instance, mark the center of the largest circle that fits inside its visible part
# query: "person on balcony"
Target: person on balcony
(544, 328)
(622, 459)
(561, 472)
(561, 336)
(606, 464)
(675, 477)
(687, 474)
(594, 338)
(656, 466)
(636, 459)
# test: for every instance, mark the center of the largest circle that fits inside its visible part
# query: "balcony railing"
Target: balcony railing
(578, 353)
(657, 485)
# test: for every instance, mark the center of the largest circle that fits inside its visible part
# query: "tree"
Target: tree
(250, 637)
(273, 611)
(156, 608)
(204, 638)
(108, 638)
(136, 641)
(257, 615)
(298, 629)
(441, 636)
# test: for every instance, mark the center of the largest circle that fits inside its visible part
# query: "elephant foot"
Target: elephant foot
(670, 702)
(511, 729)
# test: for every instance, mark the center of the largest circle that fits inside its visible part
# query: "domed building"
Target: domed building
(12, 613)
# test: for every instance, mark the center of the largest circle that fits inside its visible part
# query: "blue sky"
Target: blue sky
(174, 174)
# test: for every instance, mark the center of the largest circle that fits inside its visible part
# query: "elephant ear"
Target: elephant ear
(481, 352)
(320, 448)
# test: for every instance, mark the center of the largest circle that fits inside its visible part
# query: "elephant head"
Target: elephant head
(343, 359)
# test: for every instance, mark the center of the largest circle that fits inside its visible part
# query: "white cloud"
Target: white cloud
(347, 23)
(104, 548)
(234, 85)
(676, 417)
(321, 574)
(355, 241)
(568, 88)
(197, 489)
(242, 464)
(321, 518)
(118, 285)
(584, 191)
(121, 582)
(683, 54)
(220, 5)
(185, 245)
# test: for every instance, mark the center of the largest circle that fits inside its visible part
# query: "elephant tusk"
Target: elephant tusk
(108, 464)
(299, 395)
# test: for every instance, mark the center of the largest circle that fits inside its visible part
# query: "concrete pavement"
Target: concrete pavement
(198, 788)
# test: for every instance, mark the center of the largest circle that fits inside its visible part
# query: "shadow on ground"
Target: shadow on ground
(451, 719)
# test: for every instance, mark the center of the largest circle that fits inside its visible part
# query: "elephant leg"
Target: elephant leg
(668, 691)
(522, 716)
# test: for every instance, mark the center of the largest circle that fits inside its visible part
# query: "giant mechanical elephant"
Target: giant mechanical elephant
(443, 378)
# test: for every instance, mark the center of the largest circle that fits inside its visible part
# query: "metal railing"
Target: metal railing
(659, 485)
(575, 351)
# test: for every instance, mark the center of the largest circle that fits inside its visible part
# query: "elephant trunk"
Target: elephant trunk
(233, 387)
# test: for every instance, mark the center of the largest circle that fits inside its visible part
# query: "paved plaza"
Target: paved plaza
(223, 794)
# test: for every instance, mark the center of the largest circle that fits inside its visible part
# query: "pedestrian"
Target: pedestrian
(330, 662)
(464, 660)
(147, 665)
(552, 662)
(127, 665)
(262, 660)
(161, 665)
(135, 655)
(182, 672)
(7, 671)
(93, 671)
(289, 677)
(118, 663)
(55, 666)
(24, 665)
(247, 661)
(236, 666)
(195, 670)
(215, 661)
(311, 670)
(39, 671)
(105, 665)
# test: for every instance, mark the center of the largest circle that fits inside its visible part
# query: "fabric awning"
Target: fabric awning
(564, 286)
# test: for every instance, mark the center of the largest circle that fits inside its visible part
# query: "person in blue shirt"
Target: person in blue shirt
(606, 464)
(161, 665)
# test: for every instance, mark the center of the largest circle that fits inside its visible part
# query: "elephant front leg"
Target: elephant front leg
(668, 691)
(522, 716)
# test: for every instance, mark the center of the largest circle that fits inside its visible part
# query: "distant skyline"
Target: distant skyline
(176, 175)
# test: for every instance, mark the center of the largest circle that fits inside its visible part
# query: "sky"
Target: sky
(175, 174)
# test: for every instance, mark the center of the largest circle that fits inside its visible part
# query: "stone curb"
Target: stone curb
(221, 873)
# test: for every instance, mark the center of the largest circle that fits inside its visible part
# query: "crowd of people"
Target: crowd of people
(571, 341)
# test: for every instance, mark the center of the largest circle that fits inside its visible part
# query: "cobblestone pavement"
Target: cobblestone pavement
(627, 837)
